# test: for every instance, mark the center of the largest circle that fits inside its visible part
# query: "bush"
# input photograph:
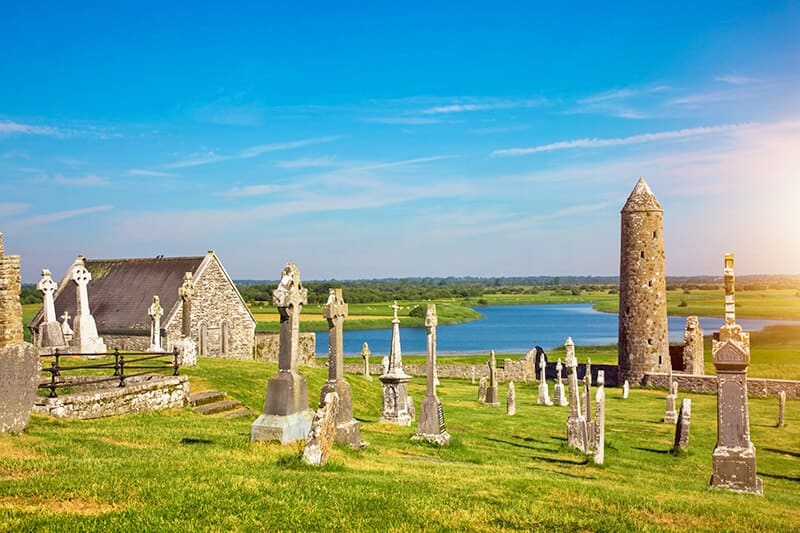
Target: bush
(483, 301)
(418, 311)
(683, 304)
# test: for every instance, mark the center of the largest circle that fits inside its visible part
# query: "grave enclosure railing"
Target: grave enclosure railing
(125, 365)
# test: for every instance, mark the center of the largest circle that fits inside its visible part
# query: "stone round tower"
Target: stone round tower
(643, 337)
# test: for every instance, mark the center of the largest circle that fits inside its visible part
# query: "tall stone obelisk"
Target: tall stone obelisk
(734, 456)
(286, 417)
(431, 418)
(347, 428)
(395, 381)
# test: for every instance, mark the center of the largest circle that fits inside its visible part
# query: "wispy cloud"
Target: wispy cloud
(248, 153)
(621, 141)
(404, 121)
(498, 129)
(307, 162)
(90, 180)
(48, 218)
(9, 127)
(482, 106)
(9, 209)
(250, 190)
(733, 79)
(149, 173)
(618, 102)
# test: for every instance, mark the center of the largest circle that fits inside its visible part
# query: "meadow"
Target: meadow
(180, 471)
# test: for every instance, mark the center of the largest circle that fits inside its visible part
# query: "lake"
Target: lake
(517, 328)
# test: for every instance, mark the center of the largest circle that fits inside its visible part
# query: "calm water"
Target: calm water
(517, 328)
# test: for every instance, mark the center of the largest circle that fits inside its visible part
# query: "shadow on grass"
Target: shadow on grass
(193, 440)
(779, 476)
(560, 461)
(652, 450)
(782, 452)
(518, 445)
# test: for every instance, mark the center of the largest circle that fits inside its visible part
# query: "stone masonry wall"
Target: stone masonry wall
(131, 343)
(267, 345)
(219, 315)
(10, 305)
(148, 394)
(757, 387)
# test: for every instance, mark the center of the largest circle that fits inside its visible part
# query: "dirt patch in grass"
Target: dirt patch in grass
(58, 506)
(129, 444)
(9, 450)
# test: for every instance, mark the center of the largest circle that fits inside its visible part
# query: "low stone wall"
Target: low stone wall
(756, 387)
(267, 347)
(140, 394)
(130, 343)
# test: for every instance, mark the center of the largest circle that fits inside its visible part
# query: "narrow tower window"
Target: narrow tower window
(655, 234)
(641, 254)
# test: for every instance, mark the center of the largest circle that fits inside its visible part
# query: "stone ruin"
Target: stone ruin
(431, 417)
(347, 428)
(734, 456)
(693, 362)
(19, 360)
(395, 381)
(492, 395)
(286, 417)
(323, 431)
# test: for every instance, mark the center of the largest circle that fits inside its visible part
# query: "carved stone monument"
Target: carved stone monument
(323, 431)
(511, 399)
(682, 427)
(286, 417)
(576, 423)
(385, 364)
(66, 329)
(600, 419)
(734, 456)
(492, 395)
(781, 409)
(588, 373)
(431, 417)
(395, 381)
(544, 391)
(559, 395)
(482, 389)
(51, 335)
(626, 389)
(155, 312)
(365, 353)
(347, 428)
(693, 347)
(670, 415)
(86, 339)
(187, 348)
(587, 404)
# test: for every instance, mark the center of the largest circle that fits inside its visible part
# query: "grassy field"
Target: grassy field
(179, 471)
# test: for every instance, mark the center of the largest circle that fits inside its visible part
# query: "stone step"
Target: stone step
(217, 407)
(209, 396)
(244, 411)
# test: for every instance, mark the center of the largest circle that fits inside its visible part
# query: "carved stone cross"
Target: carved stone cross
(81, 276)
(186, 292)
(155, 313)
(48, 288)
(335, 311)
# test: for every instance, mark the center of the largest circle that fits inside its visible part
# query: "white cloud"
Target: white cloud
(90, 180)
(151, 173)
(620, 141)
(307, 162)
(404, 121)
(248, 153)
(9, 127)
(733, 79)
(48, 218)
(482, 106)
(251, 190)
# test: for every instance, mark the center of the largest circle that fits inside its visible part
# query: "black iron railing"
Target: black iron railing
(124, 365)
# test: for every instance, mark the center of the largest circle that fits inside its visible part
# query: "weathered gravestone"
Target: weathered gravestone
(482, 390)
(588, 374)
(511, 399)
(626, 389)
(544, 391)
(576, 423)
(559, 395)
(385, 364)
(155, 312)
(734, 456)
(66, 329)
(670, 415)
(187, 348)
(322, 434)
(587, 404)
(600, 419)
(51, 336)
(286, 417)
(492, 395)
(431, 418)
(395, 381)
(335, 311)
(365, 353)
(682, 427)
(693, 347)
(781, 408)
(85, 339)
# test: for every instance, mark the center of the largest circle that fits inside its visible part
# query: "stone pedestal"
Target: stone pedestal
(19, 373)
(286, 417)
(431, 414)
(187, 352)
(395, 381)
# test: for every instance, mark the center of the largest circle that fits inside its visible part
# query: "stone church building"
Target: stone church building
(121, 292)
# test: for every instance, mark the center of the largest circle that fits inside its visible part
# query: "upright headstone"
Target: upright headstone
(587, 403)
(431, 417)
(693, 347)
(781, 408)
(544, 391)
(682, 427)
(385, 364)
(588, 373)
(670, 415)
(511, 399)
(86, 339)
(187, 348)
(492, 395)
(50, 334)
(19, 361)
(600, 419)
(286, 417)
(473, 374)
(576, 423)
(323, 432)
(626, 390)
(734, 456)
(155, 312)
(395, 381)
(66, 329)
(365, 353)
(482, 390)
(559, 395)
(348, 429)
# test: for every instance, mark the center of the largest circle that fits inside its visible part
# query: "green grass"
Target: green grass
(179, 471)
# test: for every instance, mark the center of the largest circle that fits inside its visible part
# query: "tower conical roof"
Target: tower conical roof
(642, 199)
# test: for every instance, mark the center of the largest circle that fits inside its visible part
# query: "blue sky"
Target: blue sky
(402, 139)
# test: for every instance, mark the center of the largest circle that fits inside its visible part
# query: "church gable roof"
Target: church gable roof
(122, 290)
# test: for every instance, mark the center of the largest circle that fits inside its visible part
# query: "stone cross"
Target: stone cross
(734, 456)
(431, 419)
(559, 396)
(600, 419)
(682, 426)
(482, 390)
(81, 276)
(544, 392)
(286, 417)
(155, 311)
(670, 415)
(559, 368)
(589, 370)
(86, 338)
(48, 287)
(492, 396)
(186, 292)
(511, 399)
(65, 327)
(365, 353)
(576, 423)
(395, 380)
(781, 408)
